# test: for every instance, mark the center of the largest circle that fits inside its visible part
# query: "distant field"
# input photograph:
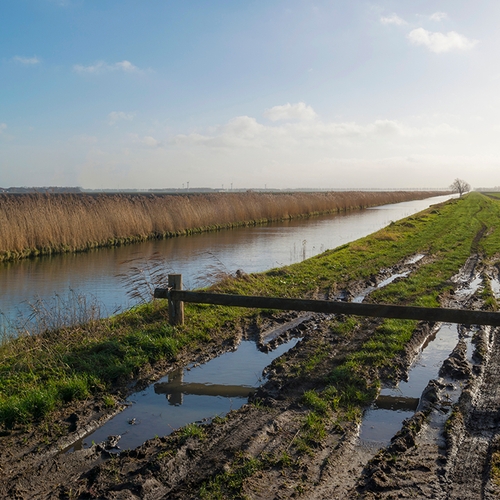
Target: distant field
(36, 224)
(493, 195)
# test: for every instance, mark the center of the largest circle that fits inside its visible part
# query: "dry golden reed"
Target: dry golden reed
(34, 224)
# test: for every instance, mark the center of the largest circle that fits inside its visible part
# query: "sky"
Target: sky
(232, 94)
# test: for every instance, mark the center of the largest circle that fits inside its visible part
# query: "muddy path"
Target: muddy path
(448, 449)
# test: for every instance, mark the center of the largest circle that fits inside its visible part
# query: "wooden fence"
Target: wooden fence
(176, 297)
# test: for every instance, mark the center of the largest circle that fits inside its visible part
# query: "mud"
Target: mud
(446, 450)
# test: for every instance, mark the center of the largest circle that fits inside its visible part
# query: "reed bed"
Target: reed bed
(36, 224)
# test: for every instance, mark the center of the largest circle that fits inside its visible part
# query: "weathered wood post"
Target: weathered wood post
(175, 307)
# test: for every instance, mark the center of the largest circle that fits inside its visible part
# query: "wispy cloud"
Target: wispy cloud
(393, 19)
(438, 16)
(245, 131)
(440, 42)
(3, 126)
(289, 112)
(147, 141)
(28, 61)
(116, 116)
(103, 67)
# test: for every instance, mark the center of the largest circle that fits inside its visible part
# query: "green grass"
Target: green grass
(192, 431)
(495, 468)
(229, 484)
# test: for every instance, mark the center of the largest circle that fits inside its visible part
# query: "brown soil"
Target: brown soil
(444, 451)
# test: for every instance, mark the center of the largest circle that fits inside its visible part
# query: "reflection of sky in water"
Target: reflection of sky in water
(196, 257)
(380, 424)
(155, 416)
(495, 286)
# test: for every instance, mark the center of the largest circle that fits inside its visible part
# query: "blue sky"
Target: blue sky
(249, 94)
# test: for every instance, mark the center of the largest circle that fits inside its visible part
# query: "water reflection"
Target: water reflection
(176, 388)
(193, 394)
(395, 404)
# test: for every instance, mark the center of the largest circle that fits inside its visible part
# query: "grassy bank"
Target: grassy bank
(39, 374)
(36, 224)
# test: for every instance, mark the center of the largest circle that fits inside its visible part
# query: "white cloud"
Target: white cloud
(289, 112)
(3, 126)
(393, 19)
(147, 141)
(103, 67)
(439, 42)
(28, 61)
(246, 132)
(438, 16)
(116, 116)
(309, 153)
(150, 141)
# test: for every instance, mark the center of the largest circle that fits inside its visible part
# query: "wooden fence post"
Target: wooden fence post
(175, 307)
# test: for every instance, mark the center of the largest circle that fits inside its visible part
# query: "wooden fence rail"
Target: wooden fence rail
(177, 297)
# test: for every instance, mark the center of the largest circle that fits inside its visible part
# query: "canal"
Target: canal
(98, 279)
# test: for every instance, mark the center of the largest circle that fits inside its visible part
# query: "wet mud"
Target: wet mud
(448, 447)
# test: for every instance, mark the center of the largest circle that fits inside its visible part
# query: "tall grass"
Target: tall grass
(35, 224)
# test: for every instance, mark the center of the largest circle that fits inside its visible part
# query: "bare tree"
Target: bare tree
(460, 186)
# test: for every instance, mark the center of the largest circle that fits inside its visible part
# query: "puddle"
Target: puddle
(471, 287)
(193, 394)
(415, 258)
(495, 287)
(393, 405)
(359, 298)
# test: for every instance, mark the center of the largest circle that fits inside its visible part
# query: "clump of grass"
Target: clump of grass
(487, 295)
(41, 372)
(39, 401)
(229, 484)
(314, 401)
(192, 431)
(142, 275)
(312, 433)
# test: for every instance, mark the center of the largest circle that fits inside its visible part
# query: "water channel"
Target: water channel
(95, 275)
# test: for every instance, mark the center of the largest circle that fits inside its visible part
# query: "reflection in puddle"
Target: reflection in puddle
(176, 388)
(393, 405)
(385, 417)
(495, 287)
(471, 287)
(359, 298)
(194, 394)
(415, 258)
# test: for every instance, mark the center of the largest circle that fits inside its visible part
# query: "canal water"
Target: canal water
(93, 279)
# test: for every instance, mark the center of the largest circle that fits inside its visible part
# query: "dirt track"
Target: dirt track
(445, 451)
